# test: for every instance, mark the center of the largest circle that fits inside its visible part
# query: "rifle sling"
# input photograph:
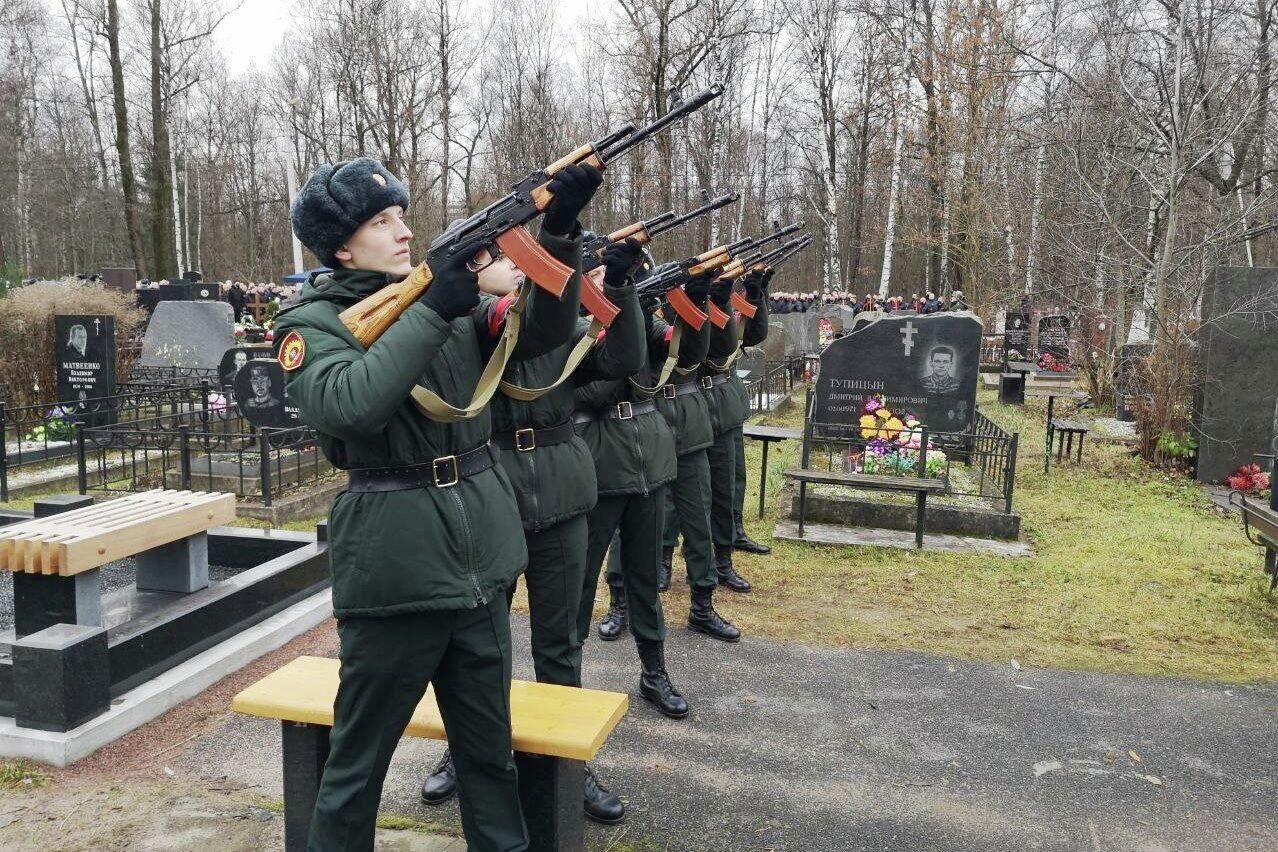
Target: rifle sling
(575, 357)
(434, 407)
(672, 358)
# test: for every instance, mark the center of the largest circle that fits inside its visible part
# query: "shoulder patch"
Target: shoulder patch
(292, 351)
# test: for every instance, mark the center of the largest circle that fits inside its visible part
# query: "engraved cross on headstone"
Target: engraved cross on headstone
(907, 336)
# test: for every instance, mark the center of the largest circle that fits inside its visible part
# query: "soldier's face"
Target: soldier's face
(497, 277)
(942, 364)
(380, 245)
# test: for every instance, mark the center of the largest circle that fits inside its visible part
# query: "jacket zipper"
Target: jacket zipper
(470, 556)
(643, 477)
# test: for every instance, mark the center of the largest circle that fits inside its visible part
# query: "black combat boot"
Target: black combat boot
(667, 567)
(743, 542)
(728, 575)
(703, 619)
(442, 783)
(602, 805)
(614, 623)
(654, 683)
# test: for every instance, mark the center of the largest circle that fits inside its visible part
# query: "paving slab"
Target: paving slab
(790, 747)
(843, 536)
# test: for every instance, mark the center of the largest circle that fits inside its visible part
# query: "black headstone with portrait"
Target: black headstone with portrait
(1016, 337)
(1238, 363)
(235, 358)
(85, 365)
(261, 397)
(926, 365)
(1053, 337)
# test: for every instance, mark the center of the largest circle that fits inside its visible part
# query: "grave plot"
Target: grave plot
(122, 609)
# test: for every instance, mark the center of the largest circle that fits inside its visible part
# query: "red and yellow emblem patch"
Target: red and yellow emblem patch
(292, 351)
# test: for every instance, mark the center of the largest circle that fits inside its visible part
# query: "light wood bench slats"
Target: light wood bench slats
(867, 480)
(72, 542)
(557, 721)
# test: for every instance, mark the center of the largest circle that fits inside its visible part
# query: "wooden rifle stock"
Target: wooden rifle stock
(368, 318)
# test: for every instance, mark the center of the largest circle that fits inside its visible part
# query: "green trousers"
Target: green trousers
(688, 512)
(633, 560)
(739, 488)
(386, 664)
(556, 568)
(722, 456)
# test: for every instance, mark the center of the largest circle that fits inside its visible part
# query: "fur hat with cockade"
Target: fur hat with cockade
(340, 197)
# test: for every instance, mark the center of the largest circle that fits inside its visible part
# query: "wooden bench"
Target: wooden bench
(55, 558)
(1260, 525)
(767, 434)
(1063, 425)
(555, 729)
(918, 486)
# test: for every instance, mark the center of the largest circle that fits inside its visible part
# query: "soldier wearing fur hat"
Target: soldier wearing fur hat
(426, 539)
(554, 478)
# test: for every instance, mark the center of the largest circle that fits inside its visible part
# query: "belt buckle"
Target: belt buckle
(668, 391)
(706, 383)
(434, 470)
(520, 435)
(625, 411)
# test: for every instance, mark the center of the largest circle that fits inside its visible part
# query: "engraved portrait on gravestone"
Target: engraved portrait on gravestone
(264, 395)
(78, 341)
(940, 383)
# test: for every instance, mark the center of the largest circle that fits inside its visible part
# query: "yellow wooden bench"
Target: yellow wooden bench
(554, 729)
(72, 542)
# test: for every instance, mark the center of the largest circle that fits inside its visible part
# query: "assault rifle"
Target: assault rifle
(643, 232)
(502, 224)
(762, 261)
(677, 274)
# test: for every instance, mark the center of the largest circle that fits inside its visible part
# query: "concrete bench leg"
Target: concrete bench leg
(550, 794)
(180, 566)
(61, 677)
(305, 752)
(803, 505)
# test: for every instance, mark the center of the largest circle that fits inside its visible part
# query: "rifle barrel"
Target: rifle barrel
(683, 218)
(611, 149)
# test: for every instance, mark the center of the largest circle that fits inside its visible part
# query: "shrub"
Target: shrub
(27, 332)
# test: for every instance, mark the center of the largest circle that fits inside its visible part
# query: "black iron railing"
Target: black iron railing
(979, 462)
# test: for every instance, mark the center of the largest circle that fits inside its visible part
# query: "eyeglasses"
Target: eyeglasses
(495, 254)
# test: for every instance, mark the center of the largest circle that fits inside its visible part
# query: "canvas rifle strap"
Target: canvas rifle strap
(575, 357)
(434, 407)
(672, 358)
(726, 364)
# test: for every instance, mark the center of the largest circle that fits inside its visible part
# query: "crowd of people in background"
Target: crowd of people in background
(240, 295)
(927, 303)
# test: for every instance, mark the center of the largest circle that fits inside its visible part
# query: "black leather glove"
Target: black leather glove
(698, 288)
(754, 286)
(453, 291)
(721, 292)
(620, 260)
(573, 188)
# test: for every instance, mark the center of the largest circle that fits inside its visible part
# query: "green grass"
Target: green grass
(21, 775)
(1133, 571)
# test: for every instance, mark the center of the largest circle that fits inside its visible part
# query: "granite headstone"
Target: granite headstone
(1016, 337)
(1126, 370)
(236, 357)
(773, 346)
(85, 364)
(261, 397)
(188, 334)
(1053, 336)
(1238, 363)
(801, 333)
(926, 365)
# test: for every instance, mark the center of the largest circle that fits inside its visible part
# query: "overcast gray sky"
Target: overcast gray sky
(247, 36)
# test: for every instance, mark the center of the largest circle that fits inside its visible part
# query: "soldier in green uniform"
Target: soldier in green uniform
(636, 459)
(426, 540)
(741, 541)
(728, 408)
(687, 410)
(554, 479)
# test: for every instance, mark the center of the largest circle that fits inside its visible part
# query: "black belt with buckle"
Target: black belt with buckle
(674, 389)
(526, 438)
(719, 379)
(443, 472)
(623, 410)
